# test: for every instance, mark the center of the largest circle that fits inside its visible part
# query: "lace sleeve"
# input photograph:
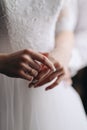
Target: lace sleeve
(79, 53)
(68, 16)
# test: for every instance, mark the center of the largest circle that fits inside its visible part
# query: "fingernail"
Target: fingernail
(31, 79)
(36, 73)
(34, 81)
(54, 69)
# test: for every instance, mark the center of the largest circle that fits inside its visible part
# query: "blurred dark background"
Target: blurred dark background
(80, 84)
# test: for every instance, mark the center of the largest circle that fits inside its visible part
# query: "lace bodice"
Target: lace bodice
(32, 23)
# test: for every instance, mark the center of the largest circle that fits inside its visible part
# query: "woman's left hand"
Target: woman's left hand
(46, 76)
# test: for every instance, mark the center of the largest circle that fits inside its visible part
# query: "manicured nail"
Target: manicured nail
(34, 81)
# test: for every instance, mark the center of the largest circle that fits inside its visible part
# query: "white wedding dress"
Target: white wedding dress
(31, 24)
(80, 49)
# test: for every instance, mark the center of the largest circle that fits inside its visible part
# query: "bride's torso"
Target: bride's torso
(31, 23)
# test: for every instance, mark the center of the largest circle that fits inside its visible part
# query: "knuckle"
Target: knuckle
(37, 67)
(44, 59)
(25, 51)
(24, 57)
(56, 64)
(35, 73)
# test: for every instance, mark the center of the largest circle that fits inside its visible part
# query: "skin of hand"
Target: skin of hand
(24, 64)
(46, 76)
(60, 57)
(67, 77)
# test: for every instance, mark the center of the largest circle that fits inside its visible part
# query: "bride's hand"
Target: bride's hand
(46, 76)
(23, 64)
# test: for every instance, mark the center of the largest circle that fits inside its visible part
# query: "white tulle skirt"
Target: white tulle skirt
(23, 108)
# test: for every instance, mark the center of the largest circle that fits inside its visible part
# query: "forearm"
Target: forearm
(79, 55)
(63, 46)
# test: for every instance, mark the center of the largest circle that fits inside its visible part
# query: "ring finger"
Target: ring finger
(28, 70)
(49, 78)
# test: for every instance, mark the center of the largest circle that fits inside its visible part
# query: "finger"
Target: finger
(51, 86)
(28, 70)
(35, 65)
(39, 79)
(44, 71)
(28, 60)
(42, 74)
(43, 59)
(57, 66)
(45, 54)
(59, 79)
(49, 78)
(25, 76)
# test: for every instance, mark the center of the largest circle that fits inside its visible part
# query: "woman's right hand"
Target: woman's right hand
(23, 64)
